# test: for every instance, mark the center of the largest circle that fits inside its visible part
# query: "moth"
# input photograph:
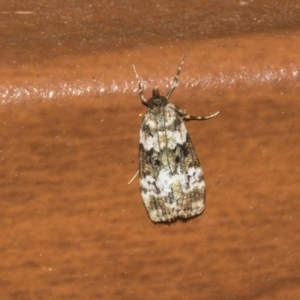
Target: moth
(171, 177)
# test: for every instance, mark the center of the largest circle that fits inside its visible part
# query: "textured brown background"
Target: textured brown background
(71, 227)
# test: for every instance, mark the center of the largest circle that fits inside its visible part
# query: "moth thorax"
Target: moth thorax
(157, 100)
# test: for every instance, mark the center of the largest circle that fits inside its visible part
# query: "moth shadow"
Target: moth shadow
(178, 219)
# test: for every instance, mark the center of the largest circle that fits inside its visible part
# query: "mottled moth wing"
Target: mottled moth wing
(171, 178)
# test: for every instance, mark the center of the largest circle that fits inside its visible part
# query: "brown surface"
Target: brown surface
(71, 227)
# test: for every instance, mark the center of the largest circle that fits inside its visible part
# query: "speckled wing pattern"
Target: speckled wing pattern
(171, 178)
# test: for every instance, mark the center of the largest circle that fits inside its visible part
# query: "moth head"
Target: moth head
(157, 100)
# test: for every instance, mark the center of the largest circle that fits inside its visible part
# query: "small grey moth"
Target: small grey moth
(171, 177)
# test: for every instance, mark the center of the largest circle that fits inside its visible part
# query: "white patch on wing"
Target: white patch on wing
(195, 172)
(148, 184)
(191, 180)
(165, 181)
(148, 141)
(195, 177)
(156, 215)
(164, 139)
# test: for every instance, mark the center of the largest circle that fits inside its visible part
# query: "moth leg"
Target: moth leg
(135, 175)
(174, 82)
(185, 116)
(141, 92)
